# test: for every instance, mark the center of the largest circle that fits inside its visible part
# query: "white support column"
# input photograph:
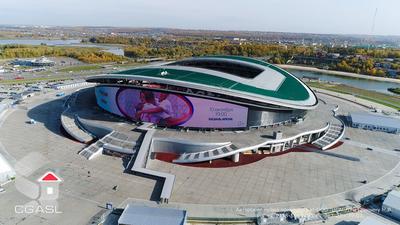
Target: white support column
(235, 157)
(309, 138)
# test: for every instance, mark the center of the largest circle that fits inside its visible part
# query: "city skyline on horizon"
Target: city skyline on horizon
(369, 17)
(191, 29)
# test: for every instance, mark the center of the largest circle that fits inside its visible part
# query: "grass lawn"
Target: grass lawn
(373, 96)
(87, 67)
(80, 68)
(34, 80)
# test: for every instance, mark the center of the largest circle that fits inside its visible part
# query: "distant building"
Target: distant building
(368, 121)
(333, 55)
(392, 73)
(391, 205)
(383, 65)
(43, 61)
(389, 59)
(308, 79)
(143, 215)
(23, 95)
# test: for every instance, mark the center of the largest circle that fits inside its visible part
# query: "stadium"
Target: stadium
(218, 92)
(233, 116)
(211, 111)
(203, 109)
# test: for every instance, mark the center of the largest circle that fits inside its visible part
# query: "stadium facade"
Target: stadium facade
(210, 92)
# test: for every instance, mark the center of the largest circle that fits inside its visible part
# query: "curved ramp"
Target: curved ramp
(114, 141)
(71, 126)
(92, 150)
(231, 150)
(208, 155)
(333, 135)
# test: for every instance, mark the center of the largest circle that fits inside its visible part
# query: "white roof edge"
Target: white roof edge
(312, 95)
(310, 103)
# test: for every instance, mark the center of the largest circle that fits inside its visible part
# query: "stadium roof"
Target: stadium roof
(392, 200)
(231, 75)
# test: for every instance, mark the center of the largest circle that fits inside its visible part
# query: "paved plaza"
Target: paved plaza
(88, 185)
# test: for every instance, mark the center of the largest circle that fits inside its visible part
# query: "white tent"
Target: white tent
(6, 171)
(371, 221)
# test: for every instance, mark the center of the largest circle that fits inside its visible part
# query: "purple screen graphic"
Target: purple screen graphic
(169, 109)
(155, 107)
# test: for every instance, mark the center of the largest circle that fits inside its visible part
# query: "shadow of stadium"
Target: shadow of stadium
(49, 114)
(89, 110)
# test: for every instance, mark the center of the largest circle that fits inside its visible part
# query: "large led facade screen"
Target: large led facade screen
(167, 109)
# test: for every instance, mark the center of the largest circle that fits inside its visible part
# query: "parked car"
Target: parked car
(32, 121)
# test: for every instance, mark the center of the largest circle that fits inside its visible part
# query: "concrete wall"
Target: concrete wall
(376, 128)
(391, 212)
(5, 104)
(73, 85)
(95, 129)
(266, 118)
(3, 107)
(178, 146)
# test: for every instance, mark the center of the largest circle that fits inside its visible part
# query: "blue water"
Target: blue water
(73, 42)
(373, 85)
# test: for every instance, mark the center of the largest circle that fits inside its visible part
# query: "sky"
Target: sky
(299, 16)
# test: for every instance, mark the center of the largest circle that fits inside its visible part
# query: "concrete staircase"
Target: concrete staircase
(208, 155)
(334, 133)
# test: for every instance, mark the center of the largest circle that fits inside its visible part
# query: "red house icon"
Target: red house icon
(49, 185)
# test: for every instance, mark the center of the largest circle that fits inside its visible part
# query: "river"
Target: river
(373, 85)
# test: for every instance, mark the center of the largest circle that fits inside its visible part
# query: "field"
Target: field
(34, 80)
(384, 99)
(80, 68)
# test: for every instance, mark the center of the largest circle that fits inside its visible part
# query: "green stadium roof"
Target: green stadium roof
(273, 83)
